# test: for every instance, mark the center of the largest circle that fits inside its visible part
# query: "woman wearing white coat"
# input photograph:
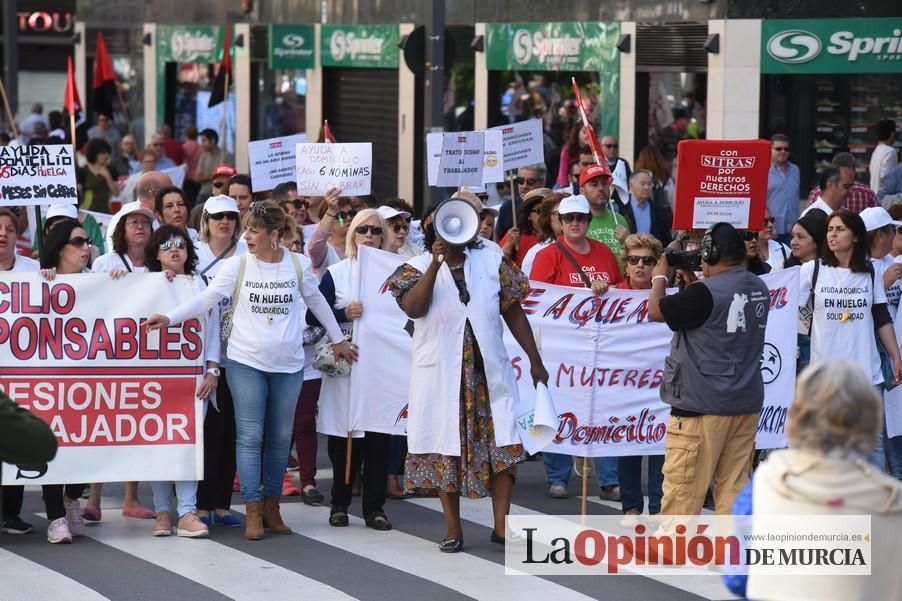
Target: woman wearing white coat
(462, 437)
(370, 449)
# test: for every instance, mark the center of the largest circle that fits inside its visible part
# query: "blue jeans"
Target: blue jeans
(185, 493)
(888, 453)
(629, 470)
(558, 468)
(264, 417)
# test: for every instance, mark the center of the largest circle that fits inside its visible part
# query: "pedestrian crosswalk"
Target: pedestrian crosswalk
(119, 560)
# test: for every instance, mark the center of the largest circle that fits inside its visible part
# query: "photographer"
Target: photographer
(712, 379)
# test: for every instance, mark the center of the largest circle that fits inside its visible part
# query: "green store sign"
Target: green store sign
(831, 45)
(552, 47)
(189, 43)
(291, 47)
(372, 46)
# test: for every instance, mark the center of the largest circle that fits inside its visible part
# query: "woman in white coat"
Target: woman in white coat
(369, 449)
(462, 437)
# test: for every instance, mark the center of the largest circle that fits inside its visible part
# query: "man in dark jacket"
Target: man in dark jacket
(647, 214)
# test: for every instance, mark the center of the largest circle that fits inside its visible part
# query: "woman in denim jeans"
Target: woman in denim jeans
(271, 289)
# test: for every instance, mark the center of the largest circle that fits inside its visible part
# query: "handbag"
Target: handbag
(226, 318)
(324, 359)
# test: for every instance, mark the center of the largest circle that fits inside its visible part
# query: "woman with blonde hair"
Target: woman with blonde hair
(271, 289)
(369, 449)
(833, 422)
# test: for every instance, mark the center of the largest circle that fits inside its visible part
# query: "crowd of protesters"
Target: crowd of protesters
(574, 227)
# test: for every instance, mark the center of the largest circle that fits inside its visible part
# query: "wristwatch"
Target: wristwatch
(214, 371)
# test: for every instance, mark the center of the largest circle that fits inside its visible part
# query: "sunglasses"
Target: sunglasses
(635, 260)
(178, 243)
(462, 293)
(219, 184)
(781, 148)
(770, 220)
(536, 210)
(364, 229)
(143, 223)
(400, 227)
(219, 216)
(529, 181)
(611, 145)
(79, 241)
(577, 217)
(345, 216)
(749, 236)
(298, 204)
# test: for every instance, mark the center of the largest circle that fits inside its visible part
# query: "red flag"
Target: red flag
(219, 91)
(104, 80)
(328, 138)
(71, 101)
(590, 131)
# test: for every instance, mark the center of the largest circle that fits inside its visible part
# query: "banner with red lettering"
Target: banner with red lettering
(120, 401)
(604, 356)
(721, 180)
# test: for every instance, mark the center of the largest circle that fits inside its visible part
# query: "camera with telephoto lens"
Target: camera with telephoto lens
(687, 260)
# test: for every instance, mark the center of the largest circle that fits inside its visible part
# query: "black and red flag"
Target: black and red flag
(72, 106)
(104, 80)
(224, 76)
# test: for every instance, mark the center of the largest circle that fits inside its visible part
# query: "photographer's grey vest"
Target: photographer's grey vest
(715, 368)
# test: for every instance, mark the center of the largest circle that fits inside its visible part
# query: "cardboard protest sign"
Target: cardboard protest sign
(273, 160)
(466, 158)
(121, 401)
(346, 166)
(721, 180)
(523, 143)
(37, 175)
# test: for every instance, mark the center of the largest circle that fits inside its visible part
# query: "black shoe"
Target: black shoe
(13, 524)
(311, 496)
(498, 540)
(452, 545)
(338, 517)
(377, 521)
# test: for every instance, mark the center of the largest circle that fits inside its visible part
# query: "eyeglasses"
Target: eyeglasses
(345, 216)
(178, 243)
(781, 148)
(635, 260)
(611, 145)
(577, 217)
(536, 210)
(770, 220)
(219, 184)
(80, 241)
(219, 216)
(364, 229)
(142, 223)
(298, 204)
(462, 293)
(749, 236)
(575, 175)
(529, 181)
(400, 227)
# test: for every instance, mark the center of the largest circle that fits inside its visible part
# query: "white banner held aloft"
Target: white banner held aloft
(273, 161)
(379, 381)
(523, 143)
(120, 401)
(346, 166)
(37, 175)
(464, 158)
(605, 360)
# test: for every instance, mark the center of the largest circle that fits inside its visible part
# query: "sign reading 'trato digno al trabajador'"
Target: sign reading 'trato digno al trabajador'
(721, 180)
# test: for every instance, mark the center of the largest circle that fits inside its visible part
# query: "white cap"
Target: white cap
(877, 217)
(220, 204)
(135, 207)
(495, 210)
(387, 212)
(574, 204)
(62, 210)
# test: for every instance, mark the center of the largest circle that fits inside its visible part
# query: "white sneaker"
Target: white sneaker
(73, 517)
(58, 532)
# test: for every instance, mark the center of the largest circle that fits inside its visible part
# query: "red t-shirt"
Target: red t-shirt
(527, 241)
(552, 265)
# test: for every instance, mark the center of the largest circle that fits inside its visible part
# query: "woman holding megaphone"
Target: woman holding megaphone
(462, 437)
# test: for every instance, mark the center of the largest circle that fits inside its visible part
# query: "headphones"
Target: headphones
(710, 250)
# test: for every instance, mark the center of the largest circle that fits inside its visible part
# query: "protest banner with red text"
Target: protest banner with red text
(721, 180)
(605, 360)
(120, 401)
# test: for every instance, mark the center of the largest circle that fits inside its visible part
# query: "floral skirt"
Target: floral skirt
(470, 474)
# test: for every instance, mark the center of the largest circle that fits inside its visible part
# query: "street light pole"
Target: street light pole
(434, 82)
(11, 54)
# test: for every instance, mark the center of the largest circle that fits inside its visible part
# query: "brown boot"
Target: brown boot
(272, 518)
(253, 529)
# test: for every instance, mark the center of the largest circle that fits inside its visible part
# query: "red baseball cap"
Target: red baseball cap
(593, 171)
(224, 170)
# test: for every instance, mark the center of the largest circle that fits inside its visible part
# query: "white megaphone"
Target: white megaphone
(456, 221)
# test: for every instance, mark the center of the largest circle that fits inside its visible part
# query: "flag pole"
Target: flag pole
(9, 112)
(128, 120)
(225, 111)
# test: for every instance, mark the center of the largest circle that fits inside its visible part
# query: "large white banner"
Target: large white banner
(120, 401)
(604, 357)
